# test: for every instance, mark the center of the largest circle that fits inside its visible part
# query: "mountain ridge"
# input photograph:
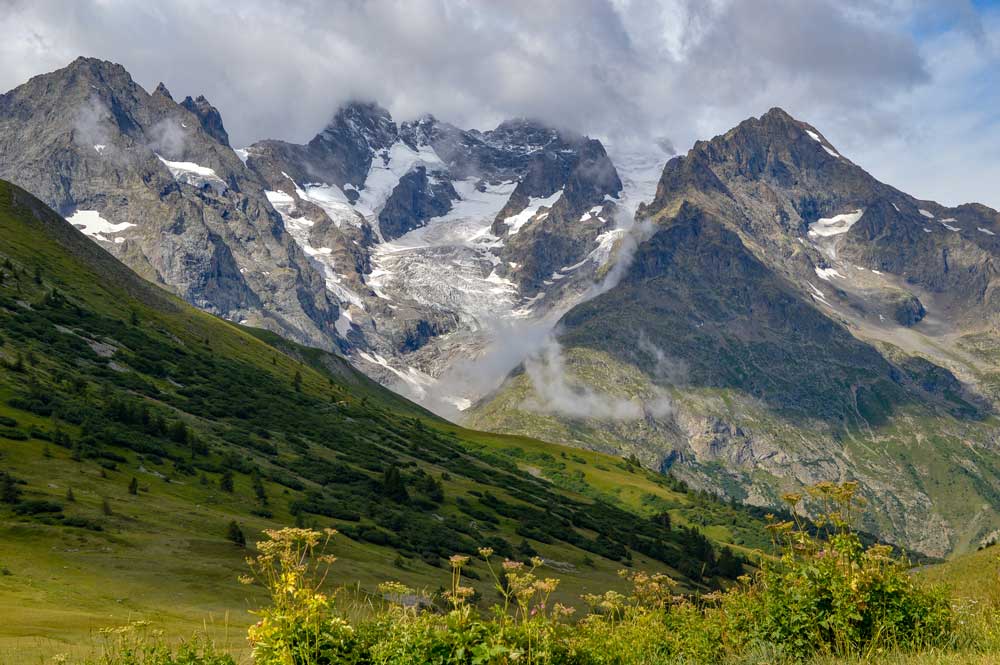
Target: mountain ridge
(855, 319)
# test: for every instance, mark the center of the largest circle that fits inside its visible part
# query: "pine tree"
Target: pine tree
(297, 381)
(38, 275)
(178, 432)
(258, 488)
(234, 534)
(393, 486)
(106, 507)
(226, 481)
(133, 486)
(69, 495)
(9, 491)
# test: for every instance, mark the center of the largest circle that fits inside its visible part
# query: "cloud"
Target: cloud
(879, 77)
(168, 138)
(90, 124)
(556, 392)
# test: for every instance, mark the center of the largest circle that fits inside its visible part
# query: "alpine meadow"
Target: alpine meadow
(669, 338)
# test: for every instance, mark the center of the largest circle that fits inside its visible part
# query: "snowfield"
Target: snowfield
(827, 273)
(836, 225)
(299, 228)
(515, 222)
(92, 224)
(193, 174)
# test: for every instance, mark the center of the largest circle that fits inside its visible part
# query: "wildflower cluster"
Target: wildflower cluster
(826, 594)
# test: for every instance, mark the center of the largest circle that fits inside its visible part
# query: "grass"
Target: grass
(828, 601)
(320, 446)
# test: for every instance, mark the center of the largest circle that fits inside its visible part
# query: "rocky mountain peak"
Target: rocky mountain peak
(161, 91)
(364, 123)
(523, 133)
(422, 131)
(140, 175)
(208, 116)
(778, 115)
(90, 68)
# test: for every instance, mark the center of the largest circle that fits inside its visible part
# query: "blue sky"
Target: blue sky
(906, 88)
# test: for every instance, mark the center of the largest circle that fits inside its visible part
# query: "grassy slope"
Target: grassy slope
(161, 553)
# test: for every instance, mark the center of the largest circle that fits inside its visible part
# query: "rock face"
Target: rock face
(142, 175)
(211, 119)
(407, 222)
(804, 322)
(583, 186)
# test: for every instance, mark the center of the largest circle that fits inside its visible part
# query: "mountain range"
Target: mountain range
(753, 316)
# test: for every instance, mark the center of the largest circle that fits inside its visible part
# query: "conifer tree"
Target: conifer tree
(9, 491)
(393, 486)
(234, 534)
(226, 481)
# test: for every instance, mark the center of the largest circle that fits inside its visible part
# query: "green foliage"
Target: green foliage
(234, 534)
(832, 594)
(9, 491)
(393, 486)
(827, 594)
(298, 626)
(36, 507)
(137, 644)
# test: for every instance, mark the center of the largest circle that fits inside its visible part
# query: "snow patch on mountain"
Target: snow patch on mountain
(299, 227)
(418, 381)
(827, 273)
(333, 202)
(818, 294)
(639, 167)
(836, 225)
(816, 137)
(193, 174)
(386, 170)
(926, 213)
(515, 222)
(92, 224)
(344, 322)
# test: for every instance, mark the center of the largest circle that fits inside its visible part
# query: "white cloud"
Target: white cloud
(903, 86)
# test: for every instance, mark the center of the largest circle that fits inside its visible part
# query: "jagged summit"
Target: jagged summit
(361, 121)
(211, 119)
(147, 179)
(161, 90)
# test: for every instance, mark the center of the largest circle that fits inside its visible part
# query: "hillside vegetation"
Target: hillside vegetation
(828, 599)
(144, 447)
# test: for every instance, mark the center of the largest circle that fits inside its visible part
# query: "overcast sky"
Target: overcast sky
(909, 89)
